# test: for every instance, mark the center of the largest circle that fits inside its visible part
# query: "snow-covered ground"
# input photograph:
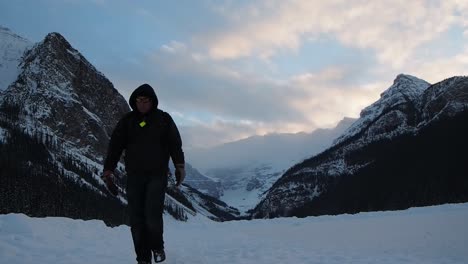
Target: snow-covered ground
(437, 234)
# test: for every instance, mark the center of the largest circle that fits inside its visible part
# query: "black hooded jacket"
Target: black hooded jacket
(148, 145)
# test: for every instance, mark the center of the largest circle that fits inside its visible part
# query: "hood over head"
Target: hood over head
(143, 90)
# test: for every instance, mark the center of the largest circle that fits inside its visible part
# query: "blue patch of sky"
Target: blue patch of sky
(96, 31)
(189, 119)
(112, 31)
(448, 44)
(320, 54)
(312, 57)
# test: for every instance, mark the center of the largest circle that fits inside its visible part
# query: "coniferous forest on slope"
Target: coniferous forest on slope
(32, 183)
(411, 170)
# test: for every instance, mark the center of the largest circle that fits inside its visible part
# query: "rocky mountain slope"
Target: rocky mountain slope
(405, 150)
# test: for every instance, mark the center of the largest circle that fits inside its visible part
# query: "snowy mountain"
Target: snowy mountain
(435, 234)
(58, 85)
(405, 150)
(394, 113)
(12, 48)
(56, 118)
(202, 183)
(247, 168)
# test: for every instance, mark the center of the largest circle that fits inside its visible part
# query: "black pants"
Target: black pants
(145, 194)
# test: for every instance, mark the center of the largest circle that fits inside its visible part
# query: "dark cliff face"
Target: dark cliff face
(409, 113)
(444, 99)
(65, 95)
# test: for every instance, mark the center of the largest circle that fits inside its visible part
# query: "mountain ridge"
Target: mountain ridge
(395, 119)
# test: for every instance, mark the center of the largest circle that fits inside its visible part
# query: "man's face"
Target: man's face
(144, 104)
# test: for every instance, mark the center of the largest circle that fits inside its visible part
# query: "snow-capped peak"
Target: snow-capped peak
(404, 88)
(405, 92)
(56, 43)
(407, 85)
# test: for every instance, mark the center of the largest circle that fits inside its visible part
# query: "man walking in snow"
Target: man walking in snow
(149, 137)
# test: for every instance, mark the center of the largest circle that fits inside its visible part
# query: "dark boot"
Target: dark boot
(159, 255)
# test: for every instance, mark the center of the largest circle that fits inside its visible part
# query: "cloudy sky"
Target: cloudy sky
(229, 69)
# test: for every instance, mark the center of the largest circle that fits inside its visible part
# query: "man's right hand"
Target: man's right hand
(109, 181)
(179, 173)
